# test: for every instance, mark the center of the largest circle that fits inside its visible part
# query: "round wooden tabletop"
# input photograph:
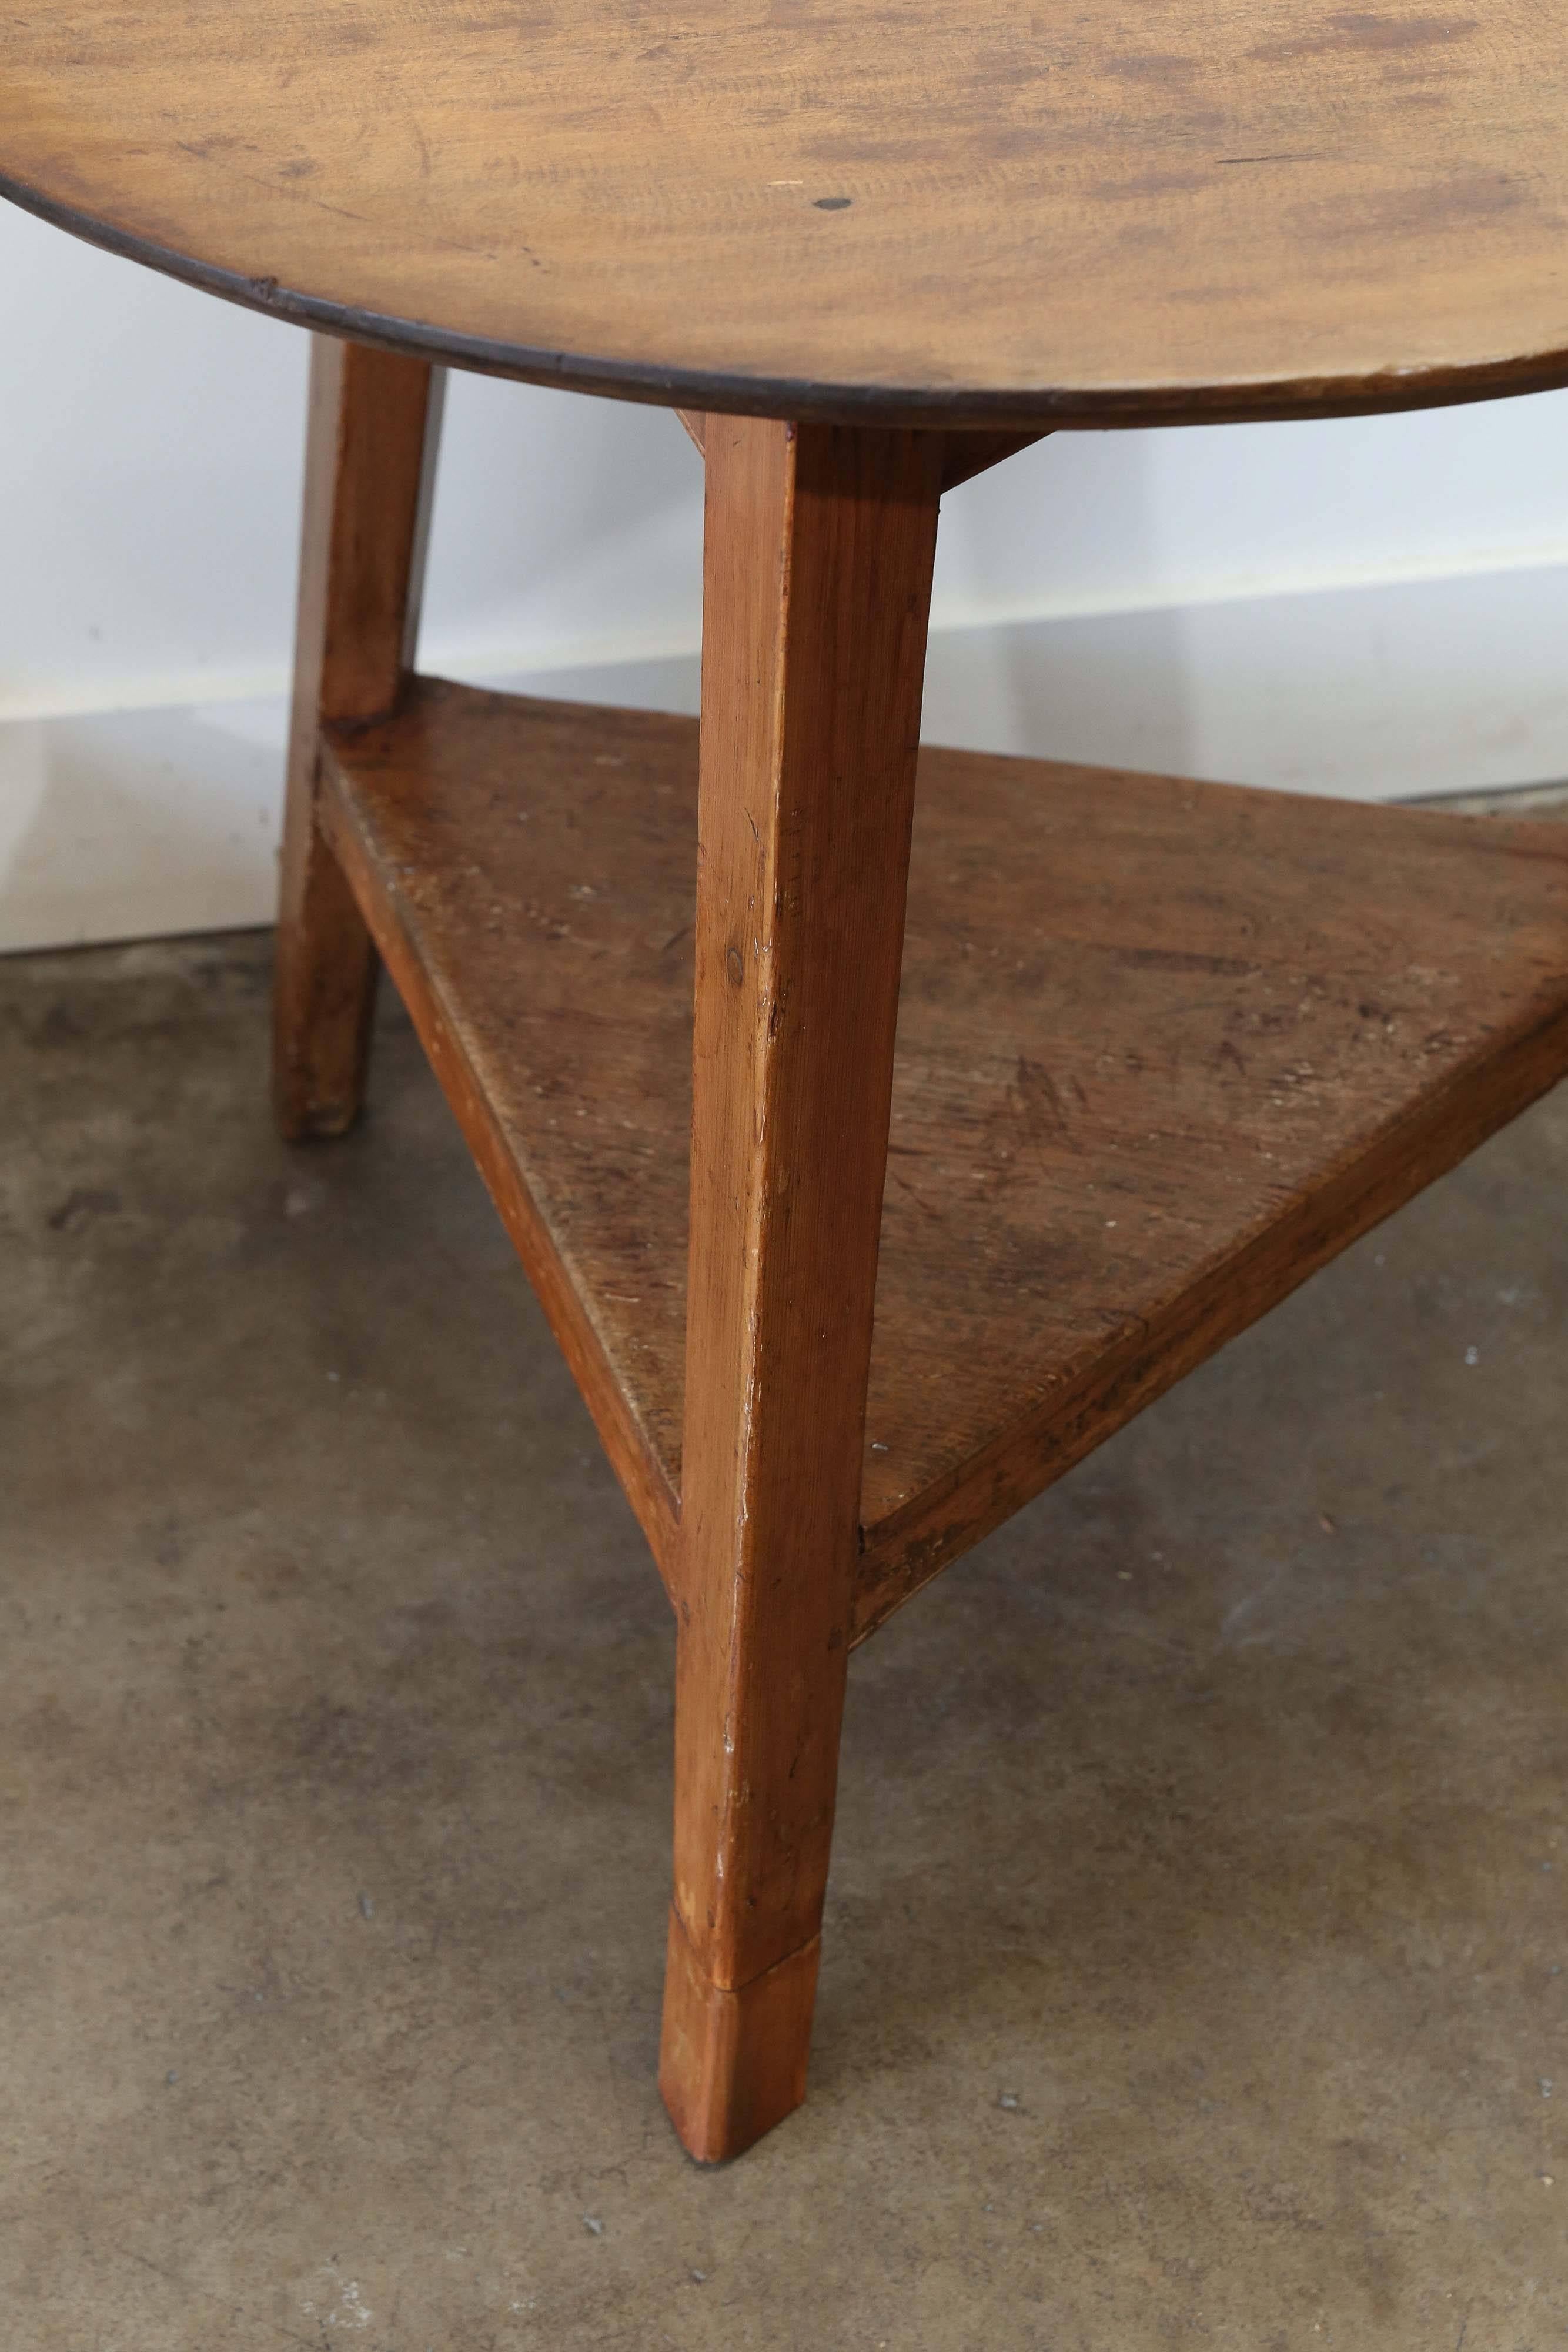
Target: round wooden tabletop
(940, 212)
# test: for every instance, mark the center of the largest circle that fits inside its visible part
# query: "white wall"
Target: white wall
(1367, 607)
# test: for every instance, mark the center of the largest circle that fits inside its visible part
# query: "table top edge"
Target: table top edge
(934, 407)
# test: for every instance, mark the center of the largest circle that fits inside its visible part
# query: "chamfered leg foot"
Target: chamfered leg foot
(732, 2061)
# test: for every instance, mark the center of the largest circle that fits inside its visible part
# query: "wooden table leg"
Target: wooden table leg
(820, 543)
(370, 468)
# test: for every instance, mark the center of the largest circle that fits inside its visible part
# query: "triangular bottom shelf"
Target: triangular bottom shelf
(1164, 1048)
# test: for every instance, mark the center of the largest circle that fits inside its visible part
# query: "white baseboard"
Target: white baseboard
(137, 823)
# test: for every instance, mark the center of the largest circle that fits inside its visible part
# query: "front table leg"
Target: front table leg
(818, 549)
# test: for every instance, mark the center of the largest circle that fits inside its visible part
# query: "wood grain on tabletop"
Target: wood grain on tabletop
(373, 421)
(1144, 1024)
(908, 210)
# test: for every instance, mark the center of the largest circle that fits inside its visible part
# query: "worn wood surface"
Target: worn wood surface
(373, 424)
(818, 544)
(1164, 1047)
(996, 214)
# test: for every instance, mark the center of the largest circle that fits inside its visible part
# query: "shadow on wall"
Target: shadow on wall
(1113, 691)
(1384, 692)
(605, 549)
(1071, 519)
(137, 824)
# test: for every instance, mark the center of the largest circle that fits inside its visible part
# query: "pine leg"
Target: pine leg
(369, 472)
(820, 543)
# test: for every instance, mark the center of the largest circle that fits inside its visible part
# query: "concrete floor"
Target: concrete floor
(1195, 1958)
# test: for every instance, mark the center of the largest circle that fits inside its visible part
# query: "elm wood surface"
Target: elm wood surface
(373, 423)
(992, 214)
(1163, 1048)
(818, 543)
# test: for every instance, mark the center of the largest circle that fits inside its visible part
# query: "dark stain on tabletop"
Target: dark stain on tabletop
(1361, 29)
(82, 1208)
